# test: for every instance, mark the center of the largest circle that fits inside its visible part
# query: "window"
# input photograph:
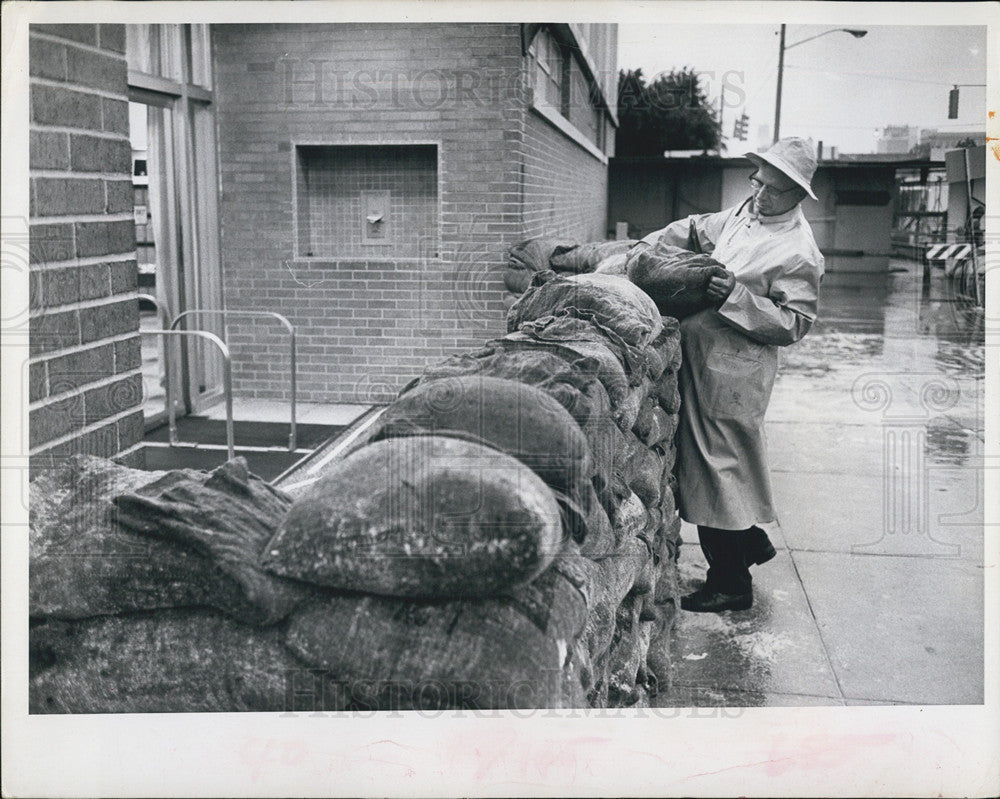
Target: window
(172, 130)
(551, 67)
(367, 201)
(563, 93)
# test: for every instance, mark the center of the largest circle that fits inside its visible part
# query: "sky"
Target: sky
(837, 89)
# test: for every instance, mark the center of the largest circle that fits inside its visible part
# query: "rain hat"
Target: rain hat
(794, 157)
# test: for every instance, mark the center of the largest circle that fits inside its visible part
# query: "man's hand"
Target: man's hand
(720, 287)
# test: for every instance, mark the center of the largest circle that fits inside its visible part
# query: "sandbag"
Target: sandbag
(572, 329)
(602, 362)
(586, 257)
(535, 254)
(228, 516)
(665, 601)
(663, 353)
(613, 265)
(675, 278)
(668, 392)
(86, 562)
(609, 300)
(631, 519)
(516, 280)
(626, 653)
(654, 425)
(615, 577)
(600, 540)
(420, 516)
(507, 651)
(629, 408)
(174, 661)
(571, 382)
(643, 471)
(518, 419)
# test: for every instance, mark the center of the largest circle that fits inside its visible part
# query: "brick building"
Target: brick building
(84, 384)
(459, 139)
(362, 180)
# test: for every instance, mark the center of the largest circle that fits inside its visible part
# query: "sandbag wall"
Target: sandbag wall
(506, 538)
(542, 253)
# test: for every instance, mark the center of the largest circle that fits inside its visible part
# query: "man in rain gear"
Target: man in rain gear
(767, 299)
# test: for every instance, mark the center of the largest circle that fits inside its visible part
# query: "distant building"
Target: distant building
(852, 220)
(898, 139)
(941, 141)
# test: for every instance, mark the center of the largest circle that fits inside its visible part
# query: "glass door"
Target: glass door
(176, 211)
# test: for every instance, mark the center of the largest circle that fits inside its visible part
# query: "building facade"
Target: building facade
(84, 381)
(898, 139)
(373, 175)
(362, 180)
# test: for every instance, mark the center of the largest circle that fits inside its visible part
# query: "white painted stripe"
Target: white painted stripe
(80, 432)
(90, 260)
(75, 392)
(55, 220)
(97, 134)
(55, 173)
(81, 304)
(41, 357)
(942, 252)
(76, 87)
(90, 48)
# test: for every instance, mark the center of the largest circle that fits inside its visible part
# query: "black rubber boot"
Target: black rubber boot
(728, 585)
(758, 546)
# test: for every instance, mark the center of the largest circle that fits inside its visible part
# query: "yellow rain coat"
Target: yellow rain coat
(730, 358)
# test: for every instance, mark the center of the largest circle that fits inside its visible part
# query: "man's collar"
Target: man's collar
(787, 216)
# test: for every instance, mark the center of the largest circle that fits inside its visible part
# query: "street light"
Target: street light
(857, 34)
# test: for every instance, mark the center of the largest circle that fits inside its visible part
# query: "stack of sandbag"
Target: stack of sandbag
(158, 603)
(598, 348)
(601, 326)
(543, 253)
(677, 279)
(505, 538)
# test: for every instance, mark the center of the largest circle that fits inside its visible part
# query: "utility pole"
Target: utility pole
(722, 106)
(781, 70)
(855, 32)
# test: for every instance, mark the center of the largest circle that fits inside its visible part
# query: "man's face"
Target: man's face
(777, 194)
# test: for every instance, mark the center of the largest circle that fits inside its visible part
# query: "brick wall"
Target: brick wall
(366, 327)
(85, 386)
(565, 186)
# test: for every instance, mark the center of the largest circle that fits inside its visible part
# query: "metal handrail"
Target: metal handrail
(291, 333)
(227, 381)
(159, 307)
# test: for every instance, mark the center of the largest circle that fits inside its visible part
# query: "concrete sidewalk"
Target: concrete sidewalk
(875, 431)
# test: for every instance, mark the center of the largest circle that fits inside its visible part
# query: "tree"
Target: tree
(671, 113)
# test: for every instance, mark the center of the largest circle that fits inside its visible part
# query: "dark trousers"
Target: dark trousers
(729, 555)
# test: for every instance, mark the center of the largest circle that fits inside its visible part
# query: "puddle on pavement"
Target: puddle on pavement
(859, 313)
(897, 304)
(961, 358)
(819, 355)
(947, 443)
(725, 643)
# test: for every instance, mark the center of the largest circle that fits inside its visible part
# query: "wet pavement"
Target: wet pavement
(875, 432)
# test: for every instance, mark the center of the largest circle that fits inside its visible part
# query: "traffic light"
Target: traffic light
(740, 127)
(953, 103)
